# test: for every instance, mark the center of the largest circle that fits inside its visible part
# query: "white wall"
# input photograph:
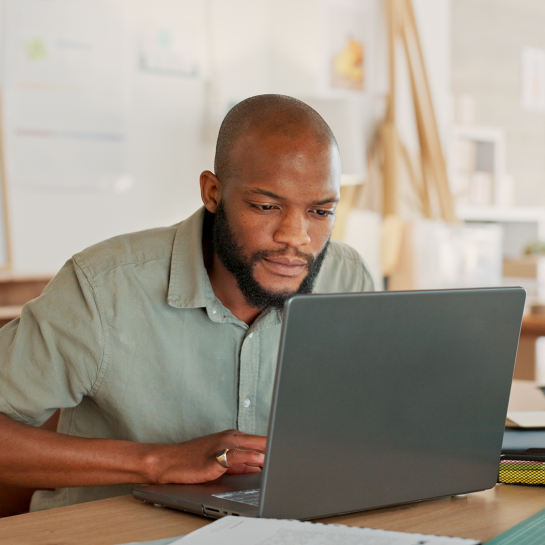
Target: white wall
(488, 39)
(243, 45)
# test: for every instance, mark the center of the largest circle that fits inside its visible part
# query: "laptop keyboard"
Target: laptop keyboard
(250, 497)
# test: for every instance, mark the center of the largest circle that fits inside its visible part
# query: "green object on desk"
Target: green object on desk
(522, 472)
(529, 532)
(165, 541)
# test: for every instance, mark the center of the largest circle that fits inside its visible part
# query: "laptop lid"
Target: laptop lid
(387, 398)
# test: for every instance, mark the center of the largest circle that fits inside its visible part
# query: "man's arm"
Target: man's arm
(43, 459)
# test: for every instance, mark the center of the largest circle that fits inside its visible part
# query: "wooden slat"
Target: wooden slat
(345, 205)
(18, 291)
(10, 276)
(430, 141)
(388, 136)
(389, 142)
(10, 313)
(5, 197)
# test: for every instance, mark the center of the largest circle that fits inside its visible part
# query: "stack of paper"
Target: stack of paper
(257, 531)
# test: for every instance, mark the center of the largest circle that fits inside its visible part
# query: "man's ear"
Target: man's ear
(210, 191)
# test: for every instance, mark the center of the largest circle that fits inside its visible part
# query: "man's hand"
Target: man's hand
(195, 461)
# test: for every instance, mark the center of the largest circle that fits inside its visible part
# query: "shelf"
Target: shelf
(511, 214)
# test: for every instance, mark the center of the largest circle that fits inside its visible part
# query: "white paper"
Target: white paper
(255, 531)
(164, 50)
(527, 419)
(65, 97)
(344, 46)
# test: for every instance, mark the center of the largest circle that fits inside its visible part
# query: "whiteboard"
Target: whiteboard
(65, 92)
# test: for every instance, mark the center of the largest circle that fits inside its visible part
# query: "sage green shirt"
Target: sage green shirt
(131, 342)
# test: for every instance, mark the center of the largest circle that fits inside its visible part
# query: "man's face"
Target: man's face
(232, 257)
(276, 215)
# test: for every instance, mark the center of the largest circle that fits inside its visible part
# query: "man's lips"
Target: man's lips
(285, 266)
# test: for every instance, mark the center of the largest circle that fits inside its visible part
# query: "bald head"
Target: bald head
(262, 117)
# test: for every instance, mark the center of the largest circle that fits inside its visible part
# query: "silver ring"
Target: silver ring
(221, 457)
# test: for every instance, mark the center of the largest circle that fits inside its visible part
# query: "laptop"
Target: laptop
(379, 399)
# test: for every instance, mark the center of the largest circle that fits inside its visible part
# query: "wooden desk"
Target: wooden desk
(482, 515)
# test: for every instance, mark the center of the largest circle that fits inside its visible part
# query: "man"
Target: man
(153, 343)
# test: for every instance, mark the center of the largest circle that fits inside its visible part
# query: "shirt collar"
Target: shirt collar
(190, 285)
(189, 282)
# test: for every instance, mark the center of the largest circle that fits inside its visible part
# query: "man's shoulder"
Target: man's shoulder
(340, 251)
(130, 248)
(343, 270)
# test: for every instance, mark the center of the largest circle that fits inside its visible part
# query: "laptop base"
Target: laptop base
(200, 499)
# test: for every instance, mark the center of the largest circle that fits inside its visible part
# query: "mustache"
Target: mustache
(264, 254)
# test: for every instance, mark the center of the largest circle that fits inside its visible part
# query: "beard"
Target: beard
(232, 257)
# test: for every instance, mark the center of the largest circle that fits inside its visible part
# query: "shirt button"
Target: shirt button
(214, 311)
(250, 335)
(246, 403)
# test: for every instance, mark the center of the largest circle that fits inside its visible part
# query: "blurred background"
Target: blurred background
(110, 111)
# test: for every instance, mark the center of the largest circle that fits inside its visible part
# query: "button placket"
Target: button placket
(249, 367)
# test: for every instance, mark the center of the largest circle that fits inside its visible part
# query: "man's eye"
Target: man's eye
(324, 213)
(264, 207)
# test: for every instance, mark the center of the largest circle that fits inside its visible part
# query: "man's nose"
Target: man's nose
(292, 231)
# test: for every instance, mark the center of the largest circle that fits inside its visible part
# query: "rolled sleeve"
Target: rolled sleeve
(52, 355)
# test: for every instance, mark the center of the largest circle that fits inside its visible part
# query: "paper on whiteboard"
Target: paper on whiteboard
(65, 92)
(256, 531)
(163, 50)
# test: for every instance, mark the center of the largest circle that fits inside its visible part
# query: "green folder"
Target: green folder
(529, 532)
(165, 541)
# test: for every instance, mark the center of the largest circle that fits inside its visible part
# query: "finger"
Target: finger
(246, 457)
(252, 442)
(242, 468)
